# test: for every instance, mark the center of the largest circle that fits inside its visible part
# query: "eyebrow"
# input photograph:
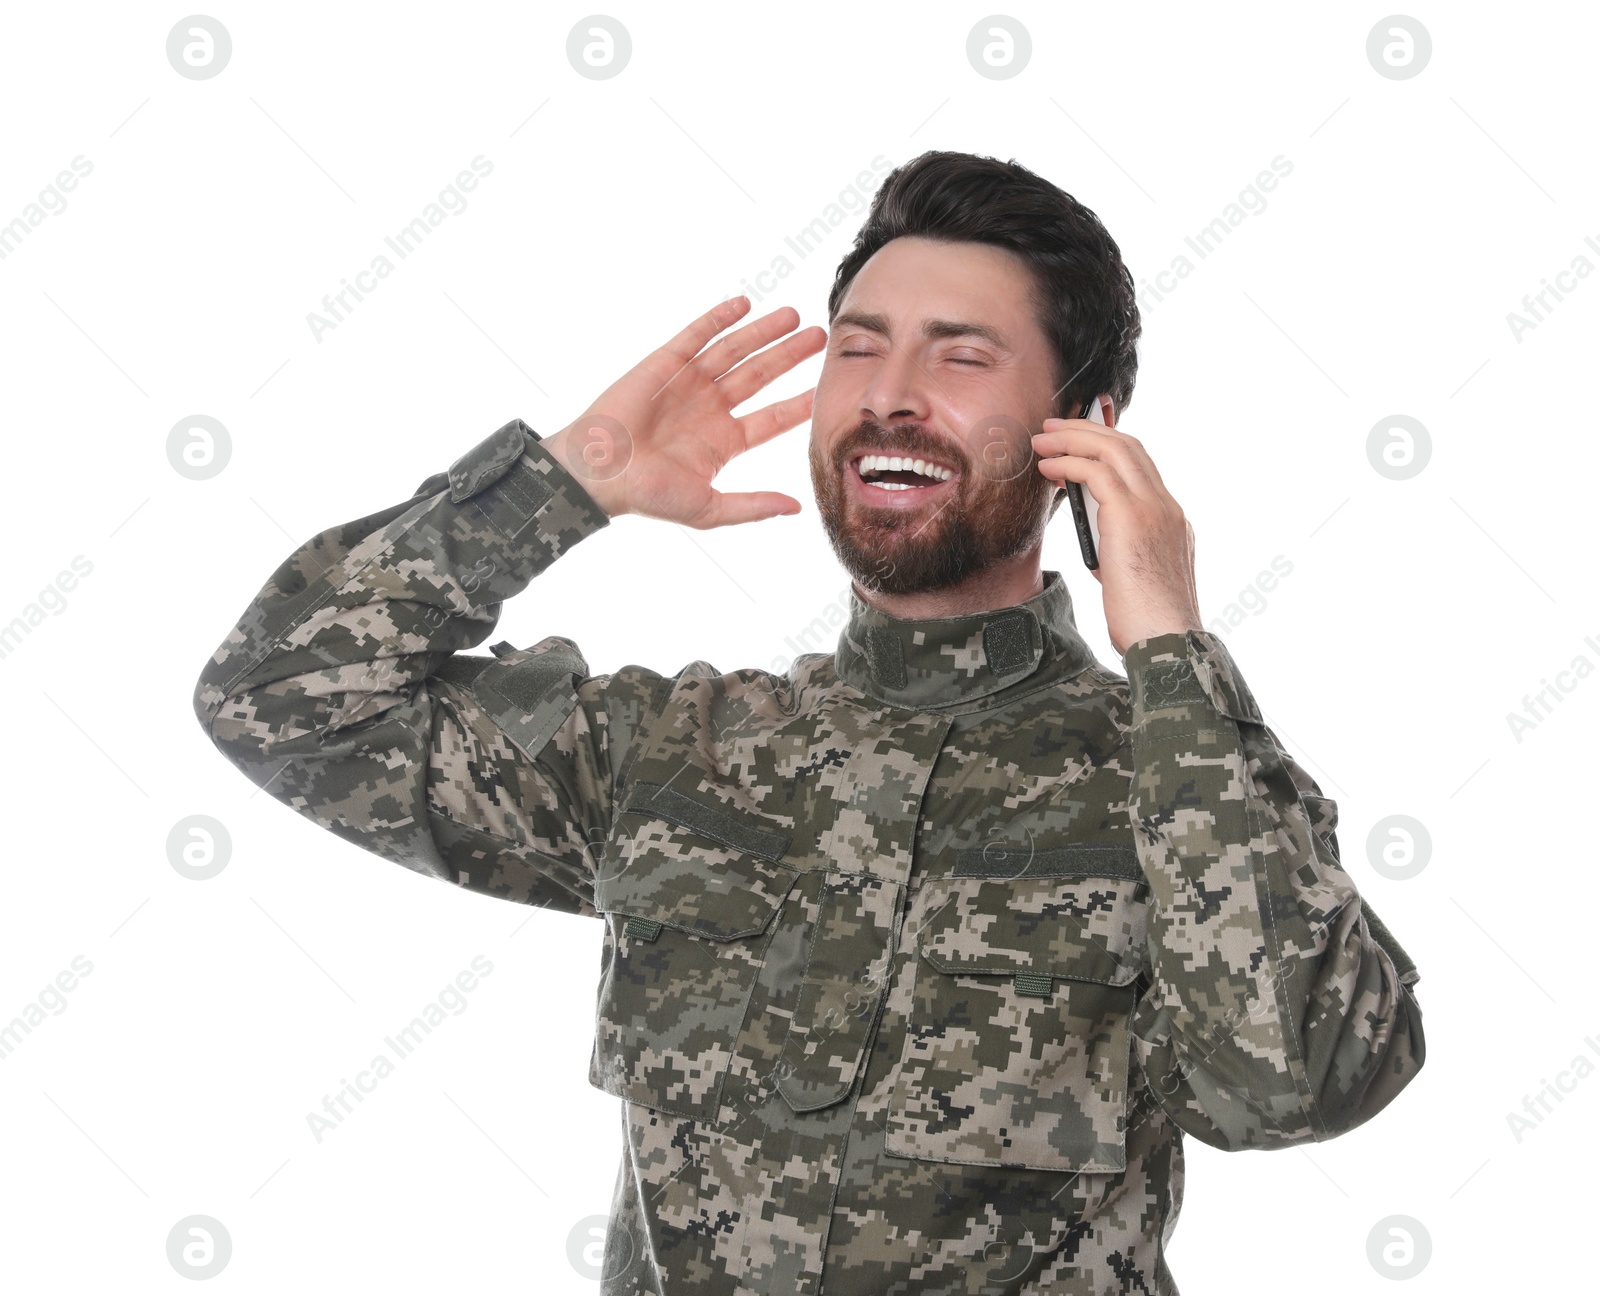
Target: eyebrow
(931, 329)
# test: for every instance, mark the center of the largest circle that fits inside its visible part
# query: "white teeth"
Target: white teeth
(875, 463)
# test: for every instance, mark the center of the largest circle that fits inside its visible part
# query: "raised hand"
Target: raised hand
(653, 440)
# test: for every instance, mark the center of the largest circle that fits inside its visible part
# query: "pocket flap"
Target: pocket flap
(697, 867)
(1086, 927)
(530, 694)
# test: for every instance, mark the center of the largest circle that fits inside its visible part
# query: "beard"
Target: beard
(998, 508)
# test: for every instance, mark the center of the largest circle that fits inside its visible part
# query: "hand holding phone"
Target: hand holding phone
(1085, 509)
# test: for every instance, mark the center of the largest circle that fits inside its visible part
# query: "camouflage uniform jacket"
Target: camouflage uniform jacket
(918, 960)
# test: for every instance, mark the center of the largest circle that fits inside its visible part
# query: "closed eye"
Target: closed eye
(953, 359)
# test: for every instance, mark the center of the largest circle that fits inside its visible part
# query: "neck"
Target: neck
(999, 585)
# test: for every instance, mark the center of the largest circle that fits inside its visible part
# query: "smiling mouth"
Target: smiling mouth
(900, 472)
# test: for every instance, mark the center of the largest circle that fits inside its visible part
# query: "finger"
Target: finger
(689, 343)
(1102, 479)
(1135, 447)
(755, 373)
(743, 506)
(1139, 463)
(726, 352)
(1091, 441)
(1075, 436)
(780, 416)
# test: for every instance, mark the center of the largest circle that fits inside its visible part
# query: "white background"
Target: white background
(178, 279)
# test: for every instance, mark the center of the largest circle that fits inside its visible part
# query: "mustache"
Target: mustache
(902, 439)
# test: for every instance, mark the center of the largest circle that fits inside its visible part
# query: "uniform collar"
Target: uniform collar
(963, 663)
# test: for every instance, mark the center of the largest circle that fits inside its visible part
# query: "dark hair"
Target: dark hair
(1084, 295)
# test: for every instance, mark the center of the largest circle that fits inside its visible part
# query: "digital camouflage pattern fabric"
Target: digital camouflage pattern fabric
(919, 960)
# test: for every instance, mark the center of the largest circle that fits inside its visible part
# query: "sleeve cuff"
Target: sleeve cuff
(1187, 676)
(513, 483)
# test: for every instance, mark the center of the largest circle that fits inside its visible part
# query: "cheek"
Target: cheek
(816, 452)
(971, 403)
(832, 400)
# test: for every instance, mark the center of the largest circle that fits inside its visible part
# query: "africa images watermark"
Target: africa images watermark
(51, 1000)
(403, 242)
(853, 199)
(50, 202)
(1536, 307)
(818, 637)
(1250, 201)
(1538, 707)
(450, 1002)
(1536, 1106)
(1252, 599)
(51, 599)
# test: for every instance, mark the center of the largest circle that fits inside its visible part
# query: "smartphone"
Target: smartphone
(1085, 510)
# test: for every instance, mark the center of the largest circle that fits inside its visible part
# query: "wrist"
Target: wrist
(1155, 628)
(606, 493)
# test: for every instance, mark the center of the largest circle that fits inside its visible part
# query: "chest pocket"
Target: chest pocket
(1017, 1047)
(689, 889)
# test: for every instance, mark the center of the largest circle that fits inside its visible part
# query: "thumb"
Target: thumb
(743, 506)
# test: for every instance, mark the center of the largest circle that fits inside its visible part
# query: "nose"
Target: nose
(897, 391)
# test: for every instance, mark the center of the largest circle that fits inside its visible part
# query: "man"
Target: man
(920, 958)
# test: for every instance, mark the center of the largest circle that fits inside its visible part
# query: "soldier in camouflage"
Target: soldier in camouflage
(920, 958)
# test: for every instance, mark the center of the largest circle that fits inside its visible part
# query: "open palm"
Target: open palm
(654, 440)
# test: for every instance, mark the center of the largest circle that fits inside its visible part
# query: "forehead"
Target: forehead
(909, 279)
